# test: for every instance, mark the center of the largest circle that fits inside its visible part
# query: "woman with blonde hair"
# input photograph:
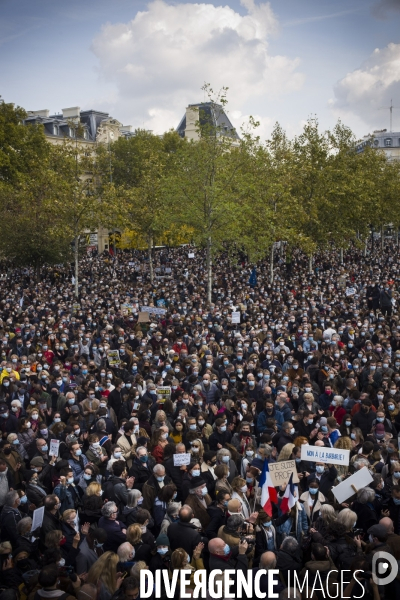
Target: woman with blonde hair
(222, 484)
(242, 493)
(103, 573)
(286, 452)
(342, 443)
(180, 561)
(134, 537)
(92, 503)
(197, 450)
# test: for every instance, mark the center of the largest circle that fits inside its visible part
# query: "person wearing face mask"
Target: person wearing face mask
(222, 557)
(393, 508)
(199, 499)
(10, 517)
(221, 435)
(90, 549)
(312, 501)
(13, 459)
(269, 412)
(67, 492)
(285, 436)
(325, 476)
(8, 422)
(243, 438)
(90, 405)
(77, 461)
(33, 490)
(151, 488)
(209, 390)
(365, 417)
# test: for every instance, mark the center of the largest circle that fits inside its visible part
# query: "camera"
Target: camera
(358, 532)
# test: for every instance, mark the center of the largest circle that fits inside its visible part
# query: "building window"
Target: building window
(71, 132)
(55, 130)
(388, 142)
(85, 135)
(376, 142)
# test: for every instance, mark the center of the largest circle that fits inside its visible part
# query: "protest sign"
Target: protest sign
(154, 310)
(351, 485)
(127, 309)
(54, 447)
(325, 455)
(236, 317)
(181, 459)
(144, 317)
(281, 471)
(37, 518)
(165, 392)
(191, 255)
(113, 358)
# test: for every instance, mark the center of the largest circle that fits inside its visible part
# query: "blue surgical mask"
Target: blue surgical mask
(78, 452)
(298, 460)
(144, 458)
(396, 501)
(380, 419)
(162, 550)
(87, 477)
(227, 549)
(313, 490)
(319, 469)
(324, 429)
(45, 448)
(223, 428)
(196, 473)
(24, 499)
(268, 524)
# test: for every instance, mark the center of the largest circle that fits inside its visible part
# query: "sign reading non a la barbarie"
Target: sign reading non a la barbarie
(331, 456)
(281, 471)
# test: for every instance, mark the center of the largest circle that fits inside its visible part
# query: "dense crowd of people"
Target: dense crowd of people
(92, 435)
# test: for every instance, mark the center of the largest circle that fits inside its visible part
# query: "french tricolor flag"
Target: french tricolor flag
(288, 500)
(268, 491)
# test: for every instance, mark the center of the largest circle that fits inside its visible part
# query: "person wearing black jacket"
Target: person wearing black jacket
(223, 558)
(10, 517)
(324, 476)
(176, 473)
(217, 512)
(141, 470)
(183, 534)
(220, 437)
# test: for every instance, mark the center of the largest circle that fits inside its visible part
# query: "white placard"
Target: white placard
(37, 518)
(345, 489)
(332, 456)
(236, 317)
(282, 470)
(153, 310)
(54, 447)
(181, 459)
(191, 255)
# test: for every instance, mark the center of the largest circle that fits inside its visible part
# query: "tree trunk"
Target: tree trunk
(151, 258)
(397, 235)
(76, 257)
(382, 240)
(341, 256)
(37, 272)
(365, 247)
(271, 265)
(209, 270)
(310, 261)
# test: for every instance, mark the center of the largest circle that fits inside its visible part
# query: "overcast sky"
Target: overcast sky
(143, 62)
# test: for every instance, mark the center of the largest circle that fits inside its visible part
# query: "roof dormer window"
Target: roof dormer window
(71, 132)
(55, 130)
(388, 142)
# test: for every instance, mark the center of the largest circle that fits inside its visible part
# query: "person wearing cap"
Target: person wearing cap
(33, 490)
(162, 558)
(377, 538)
(199, 500)
(13, 459)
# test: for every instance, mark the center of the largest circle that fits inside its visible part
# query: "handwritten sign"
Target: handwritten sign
(144, 317)
(236, 317)
(332, 456)
(281, 471)
(181, 459)
(351, 485)
(54, 447)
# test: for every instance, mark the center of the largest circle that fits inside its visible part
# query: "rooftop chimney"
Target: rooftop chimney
(41, 113)
(72, 113)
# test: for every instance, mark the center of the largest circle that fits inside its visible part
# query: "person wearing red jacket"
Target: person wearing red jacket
(337, 410)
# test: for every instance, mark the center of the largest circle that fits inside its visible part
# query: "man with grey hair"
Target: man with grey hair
(151, 489)
(10, 517)
(126, 554)
(116, 532)
(288, 558)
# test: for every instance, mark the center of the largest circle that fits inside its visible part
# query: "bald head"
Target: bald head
(216, 546)
(319, 443)
(388, 524)
(234, 506)
(268, 560)
(186, 513)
